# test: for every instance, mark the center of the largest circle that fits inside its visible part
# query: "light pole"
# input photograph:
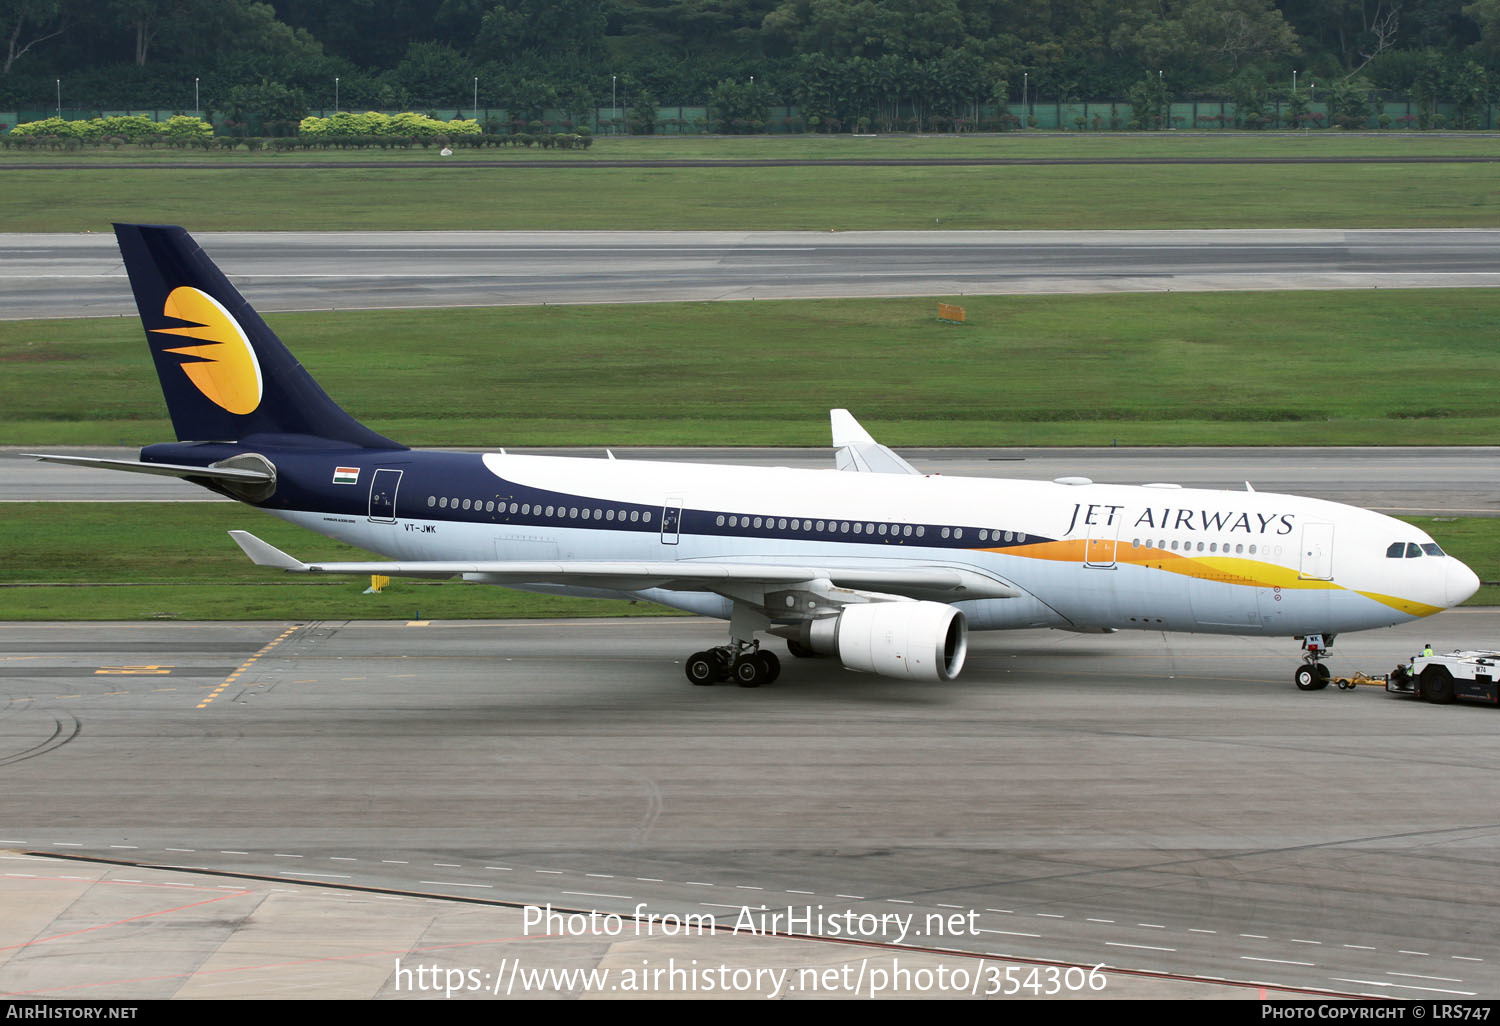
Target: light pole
(335, 94)
(196, 113)
(1025, 97)
(614, 128)
(59, 99)
(1294, 80)
(476, 98)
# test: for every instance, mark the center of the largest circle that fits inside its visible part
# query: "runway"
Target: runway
(46, 275)
(1168, 805)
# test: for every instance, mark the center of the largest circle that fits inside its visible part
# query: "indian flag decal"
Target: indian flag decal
(346, 475)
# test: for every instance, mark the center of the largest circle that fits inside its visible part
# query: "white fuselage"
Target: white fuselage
(1082, 556)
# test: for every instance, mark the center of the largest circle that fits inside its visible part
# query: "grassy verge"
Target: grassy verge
(137, 561)
(1299, 368)
(423, 196)
(1233, 145)
(141, 561)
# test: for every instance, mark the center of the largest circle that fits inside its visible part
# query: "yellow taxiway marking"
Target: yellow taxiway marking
(248, 663)
(134, 671)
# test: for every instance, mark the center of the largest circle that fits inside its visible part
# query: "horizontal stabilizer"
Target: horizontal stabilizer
(265, 554)
(161, 469)
(949, 583)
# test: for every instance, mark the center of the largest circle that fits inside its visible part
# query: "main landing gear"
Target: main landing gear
(742, 662)
(1312, 675)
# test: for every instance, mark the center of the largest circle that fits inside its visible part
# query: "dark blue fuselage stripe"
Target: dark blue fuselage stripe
(305, 483)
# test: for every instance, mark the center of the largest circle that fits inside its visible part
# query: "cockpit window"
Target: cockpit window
(1431, 548)
(1396, 551)
(1413, 550)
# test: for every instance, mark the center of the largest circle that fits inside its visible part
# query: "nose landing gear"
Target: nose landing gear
(1312, 675)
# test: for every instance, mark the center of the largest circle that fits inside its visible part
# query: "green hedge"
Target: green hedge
(180, 130)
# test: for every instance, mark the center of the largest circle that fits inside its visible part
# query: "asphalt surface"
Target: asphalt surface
(81, 275)
(1168, 806)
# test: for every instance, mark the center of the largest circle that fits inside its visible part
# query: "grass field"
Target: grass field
(760, 198)
(141, 561)
(413, 191)
(137, 561)
(1033, 144)
(1299, 368)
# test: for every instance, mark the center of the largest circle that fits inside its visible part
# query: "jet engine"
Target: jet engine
(907, 640)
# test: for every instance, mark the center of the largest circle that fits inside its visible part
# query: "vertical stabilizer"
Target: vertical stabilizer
(225, 375)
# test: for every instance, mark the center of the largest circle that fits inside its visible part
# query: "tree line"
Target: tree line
(843, 63)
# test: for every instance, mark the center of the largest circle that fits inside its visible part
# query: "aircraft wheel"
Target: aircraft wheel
(700, 669)
(771, 665)
(750, 672)
(1307, 678)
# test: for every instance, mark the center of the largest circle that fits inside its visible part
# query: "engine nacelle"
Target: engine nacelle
(907, 640)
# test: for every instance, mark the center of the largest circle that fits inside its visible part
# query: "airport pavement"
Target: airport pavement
(81, 275)
(1168, 805)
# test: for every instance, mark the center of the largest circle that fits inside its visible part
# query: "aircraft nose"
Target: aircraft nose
(1460, 582)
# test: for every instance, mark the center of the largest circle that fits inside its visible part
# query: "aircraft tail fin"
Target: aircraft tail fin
(225, 375)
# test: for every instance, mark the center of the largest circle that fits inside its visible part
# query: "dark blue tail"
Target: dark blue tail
(224, 373)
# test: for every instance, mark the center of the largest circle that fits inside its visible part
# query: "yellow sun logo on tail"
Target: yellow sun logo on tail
(225, 370)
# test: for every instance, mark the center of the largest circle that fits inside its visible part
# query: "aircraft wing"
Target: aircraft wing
(936, 582)
(858, 451)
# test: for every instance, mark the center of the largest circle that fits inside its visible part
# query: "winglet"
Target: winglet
(847, 431)
(858, 451)
(264, 554)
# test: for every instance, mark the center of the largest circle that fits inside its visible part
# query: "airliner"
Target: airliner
(871, 562)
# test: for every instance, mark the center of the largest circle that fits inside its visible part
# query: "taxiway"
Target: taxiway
(1164, 804)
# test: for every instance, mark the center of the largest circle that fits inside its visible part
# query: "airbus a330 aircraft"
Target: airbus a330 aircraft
(875, 563)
